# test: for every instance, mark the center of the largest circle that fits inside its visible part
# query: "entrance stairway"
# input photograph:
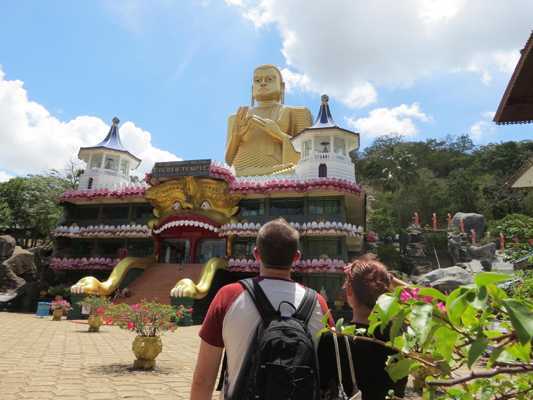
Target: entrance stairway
(157, 281)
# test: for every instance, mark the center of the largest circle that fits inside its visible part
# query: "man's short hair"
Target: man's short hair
(277, 243)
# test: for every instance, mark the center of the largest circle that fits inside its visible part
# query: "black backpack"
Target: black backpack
(281, 363)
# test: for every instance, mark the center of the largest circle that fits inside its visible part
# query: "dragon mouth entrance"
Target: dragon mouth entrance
(187, 239)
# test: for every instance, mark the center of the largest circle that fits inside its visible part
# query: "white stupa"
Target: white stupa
(108, 163)
(325, 148)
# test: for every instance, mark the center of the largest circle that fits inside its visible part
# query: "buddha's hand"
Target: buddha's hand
(241, 122)
(270, 126)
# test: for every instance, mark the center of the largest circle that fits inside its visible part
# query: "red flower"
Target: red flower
(131, 325)
(100, 310)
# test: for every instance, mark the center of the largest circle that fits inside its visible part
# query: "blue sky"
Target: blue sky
(173, 71)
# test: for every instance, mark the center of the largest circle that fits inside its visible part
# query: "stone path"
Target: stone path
(42, 359)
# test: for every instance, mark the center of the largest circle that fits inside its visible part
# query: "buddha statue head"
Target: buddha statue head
(268, 84)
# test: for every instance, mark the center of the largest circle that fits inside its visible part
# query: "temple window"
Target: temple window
(283, 207)
(322, 248)
(81, 248)
(322, 171)
(243, 248)
(251, 208)
(307, 149)
(110, 248)
(324, 207)
(115, 213)
(82, 213)
(140, 247)
(210, 248)
(96, 161)
(111, 163)
(142, 213)
(339, 146)
(124, 167)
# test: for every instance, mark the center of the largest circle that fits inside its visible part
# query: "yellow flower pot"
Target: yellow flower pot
(57, 314)
(94, 321)
(146, 349)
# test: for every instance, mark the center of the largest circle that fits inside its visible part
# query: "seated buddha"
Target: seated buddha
(259, 137)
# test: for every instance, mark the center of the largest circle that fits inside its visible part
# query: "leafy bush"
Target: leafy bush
(474, 343)
(522, 288)
(517, 226)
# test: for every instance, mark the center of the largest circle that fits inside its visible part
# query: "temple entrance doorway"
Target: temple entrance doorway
(175, 251)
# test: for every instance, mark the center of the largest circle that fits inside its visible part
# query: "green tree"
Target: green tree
(463, 191)
(32, 202)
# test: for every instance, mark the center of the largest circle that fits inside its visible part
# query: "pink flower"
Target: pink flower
(441, 307)
(406, 295)
(136, 307)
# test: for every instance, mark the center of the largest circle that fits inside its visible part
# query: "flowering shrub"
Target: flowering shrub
(145, 318)
(474, 343)
(97, 304)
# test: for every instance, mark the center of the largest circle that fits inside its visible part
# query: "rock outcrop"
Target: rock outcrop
(445, 279)
(471, 221)
(7, 246)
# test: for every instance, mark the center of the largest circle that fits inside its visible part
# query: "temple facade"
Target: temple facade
(190, 227)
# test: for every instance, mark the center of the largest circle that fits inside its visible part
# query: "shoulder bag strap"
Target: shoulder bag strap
(352, 366)
(263, 305)
(307, 306)
(339, 369)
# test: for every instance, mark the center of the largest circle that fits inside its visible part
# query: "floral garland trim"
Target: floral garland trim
(103, 231)
(241, 185)
(124, 192)
(306, 229)
(83, 263)
(304, 266)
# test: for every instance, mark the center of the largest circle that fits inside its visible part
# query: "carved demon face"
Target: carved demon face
(205, 197)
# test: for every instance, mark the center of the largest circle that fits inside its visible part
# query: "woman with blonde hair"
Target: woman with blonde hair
(366, 280)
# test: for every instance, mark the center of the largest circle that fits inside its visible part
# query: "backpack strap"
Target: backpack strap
(263, 305)
(307, 306)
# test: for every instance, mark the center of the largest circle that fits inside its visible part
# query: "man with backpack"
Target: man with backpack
(268, 327)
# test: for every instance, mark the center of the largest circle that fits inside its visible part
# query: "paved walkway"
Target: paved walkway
(41, 359)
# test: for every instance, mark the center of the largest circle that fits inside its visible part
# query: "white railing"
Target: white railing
(323, 156)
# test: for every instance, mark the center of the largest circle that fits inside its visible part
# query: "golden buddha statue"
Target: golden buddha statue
(259, 137)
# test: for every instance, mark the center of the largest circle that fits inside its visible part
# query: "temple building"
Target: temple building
(191, 227)
(516, 107)
(108, 163)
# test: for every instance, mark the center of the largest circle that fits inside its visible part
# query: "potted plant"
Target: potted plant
(59, 308)
(148, 320)
(97, 306)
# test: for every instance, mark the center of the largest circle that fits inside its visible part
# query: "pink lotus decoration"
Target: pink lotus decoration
(83, 263)
(304, 266)
(103, 231)
(244, 185)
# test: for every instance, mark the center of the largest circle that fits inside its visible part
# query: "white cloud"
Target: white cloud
(386, 121)
(4, 176)
(33, 141)
(483, 130)
(347, 48)
(359, 95)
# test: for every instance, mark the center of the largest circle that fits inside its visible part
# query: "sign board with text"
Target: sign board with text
(177, 169)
